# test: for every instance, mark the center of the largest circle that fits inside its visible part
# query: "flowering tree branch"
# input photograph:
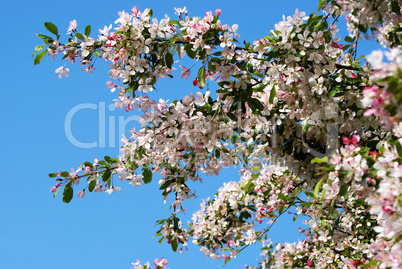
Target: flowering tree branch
(311, 127)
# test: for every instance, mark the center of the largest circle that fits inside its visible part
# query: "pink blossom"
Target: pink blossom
(161, 263)
(72, 26)
(185, 73)
(81, 194)
(62, 71)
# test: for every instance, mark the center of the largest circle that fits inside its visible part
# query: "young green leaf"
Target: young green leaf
(232, 116)
(79, 36)
(97, 53)
(201, 76)
(395, 7)
(68, 193)
(272, 95)
(43, 36)
(169, 60)
(39, 57)
(318, 187)
(92, 185)
(39, 48)
(174, 245)
(51, 28)
(318, 160)
(398, 148)
(106, 175)
(87, 30)
(189, 51)
(147, 175)
(320, 3)
(344, 191)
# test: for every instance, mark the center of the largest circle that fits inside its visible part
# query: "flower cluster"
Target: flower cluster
(159, 264)
(382, 17)
(228, 221)
(385, 99)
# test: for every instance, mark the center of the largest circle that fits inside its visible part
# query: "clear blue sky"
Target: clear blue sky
(99, 231)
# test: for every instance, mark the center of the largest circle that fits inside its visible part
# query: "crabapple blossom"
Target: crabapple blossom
(316, 133)
(63, 71)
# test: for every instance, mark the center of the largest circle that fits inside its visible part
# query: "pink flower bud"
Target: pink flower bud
(218, 12)
(110, 84)
(53, 189)
(134, 11)
(81, 194)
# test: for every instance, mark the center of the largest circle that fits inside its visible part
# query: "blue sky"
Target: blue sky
(99, 231)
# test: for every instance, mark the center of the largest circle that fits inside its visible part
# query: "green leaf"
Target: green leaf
(201, 76)
(108, 159)
(398, 148)
(88, 164)
(79, 36)
(147, 175)
(344, 191)
(305, 60)
(320, 3)
(92, 185)
(39, 48)
(272, 95)
(87, 30)
(65, 174)
(68, 193)
(97, 53)
(211, 67)
(318, 187)
(169, 60)
(165, 185)
(102, 162)
(348, 39)
(106, 175)
(174, 22)
(332, 92)
(232, 116)
(52, 175)
(257, 104)
(217, 153)
(43, 36)
(51, 28)
(39, 57)
(174, 244)
(395, 7)
(189, 51)
(371, 263)
(318, 160)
